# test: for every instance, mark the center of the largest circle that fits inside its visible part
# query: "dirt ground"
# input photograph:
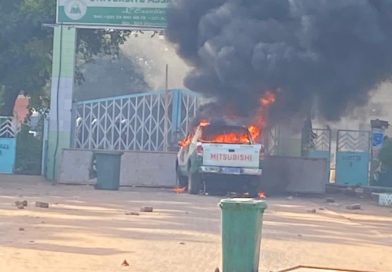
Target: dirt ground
(89, 230)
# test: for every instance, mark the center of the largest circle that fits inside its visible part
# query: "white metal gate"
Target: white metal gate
(151, 121)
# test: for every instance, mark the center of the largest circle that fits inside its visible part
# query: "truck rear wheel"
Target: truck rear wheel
(254, 186)
(194, 183)
(182, 181)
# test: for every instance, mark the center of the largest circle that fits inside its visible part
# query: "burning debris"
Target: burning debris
(179, 190)
(262, 195)
(329, 52)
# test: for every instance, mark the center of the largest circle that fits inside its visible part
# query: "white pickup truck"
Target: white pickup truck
(219, 154)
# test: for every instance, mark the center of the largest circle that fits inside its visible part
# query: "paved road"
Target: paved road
(89, 230)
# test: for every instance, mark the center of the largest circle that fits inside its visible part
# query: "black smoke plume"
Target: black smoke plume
(333, 52)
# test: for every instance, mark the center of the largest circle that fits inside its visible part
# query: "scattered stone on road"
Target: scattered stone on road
(19, 205)
(21, 229)
(353, 207)
(182, 243)
(330, 200)
(217, 270)
(41, 204)
(132, 213)
(312, 211)
(125, 263)
(147, 209)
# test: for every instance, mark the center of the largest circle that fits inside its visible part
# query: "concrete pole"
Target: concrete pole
(60, 116)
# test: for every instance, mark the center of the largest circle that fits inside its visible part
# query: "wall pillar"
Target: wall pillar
(60, 118)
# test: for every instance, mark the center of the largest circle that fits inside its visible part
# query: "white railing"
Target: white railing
(8, 128)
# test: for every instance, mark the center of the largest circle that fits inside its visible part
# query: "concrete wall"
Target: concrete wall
(295, 174)
(283, 174)
(75, 166)
(148, 169)
(137, 168)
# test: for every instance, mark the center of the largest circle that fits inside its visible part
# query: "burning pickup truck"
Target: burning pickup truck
(214, 154)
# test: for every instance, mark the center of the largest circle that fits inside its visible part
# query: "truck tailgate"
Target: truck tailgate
(231, 155)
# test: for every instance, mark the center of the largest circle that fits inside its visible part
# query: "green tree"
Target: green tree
(386, 154)
(26, 49)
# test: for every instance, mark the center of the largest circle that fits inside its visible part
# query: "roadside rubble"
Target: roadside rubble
(355, 206)
(147, 209)
(312, 211)
(132, 213)
(21, 204)
(42, 204)
(330, 200)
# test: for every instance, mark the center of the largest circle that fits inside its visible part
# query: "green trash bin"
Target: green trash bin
(241, 234)
(108, 170)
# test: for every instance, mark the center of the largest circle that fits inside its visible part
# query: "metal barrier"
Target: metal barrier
(353, 149)
(151, 121)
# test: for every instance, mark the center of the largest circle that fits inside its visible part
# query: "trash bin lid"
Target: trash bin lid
(243, 203)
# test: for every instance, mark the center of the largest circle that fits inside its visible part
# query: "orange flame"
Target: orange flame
(254, 132)
(268, 99)
(259, 119)
(262, 195)
(186, 141)
(231, 138)
(179, 190)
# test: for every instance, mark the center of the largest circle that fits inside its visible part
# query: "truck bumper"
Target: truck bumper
(230, 170)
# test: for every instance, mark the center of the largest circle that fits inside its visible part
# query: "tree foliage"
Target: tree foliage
(386, 154)
(2, 96)
(26, 49)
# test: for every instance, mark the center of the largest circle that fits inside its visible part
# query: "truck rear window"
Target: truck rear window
(225, 134)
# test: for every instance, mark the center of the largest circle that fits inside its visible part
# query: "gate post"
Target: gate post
(63, 68)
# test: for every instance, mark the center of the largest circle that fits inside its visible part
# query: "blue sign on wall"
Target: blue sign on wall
(377, 139)
(7, 155)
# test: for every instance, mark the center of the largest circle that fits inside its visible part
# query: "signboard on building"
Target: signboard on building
(7, 155)
(116, 13)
